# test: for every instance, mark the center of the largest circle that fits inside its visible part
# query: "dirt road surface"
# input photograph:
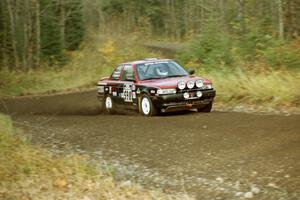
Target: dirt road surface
(217, 155)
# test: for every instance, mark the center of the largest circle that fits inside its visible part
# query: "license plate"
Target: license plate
(189, 105)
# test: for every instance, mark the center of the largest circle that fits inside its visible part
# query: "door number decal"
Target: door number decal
(127, 92)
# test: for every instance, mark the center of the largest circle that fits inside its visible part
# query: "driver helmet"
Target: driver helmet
(162, 70)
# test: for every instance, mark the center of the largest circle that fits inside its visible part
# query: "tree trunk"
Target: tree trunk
(2, 35)
(25, 34)
(38, 33)
(62, 23)
(13, 33)
(280, 20)
(30, 33)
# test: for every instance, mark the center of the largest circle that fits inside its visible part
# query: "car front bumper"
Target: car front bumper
(176, 102)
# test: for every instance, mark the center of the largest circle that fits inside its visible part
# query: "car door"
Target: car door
(115, 85)
(128, 92)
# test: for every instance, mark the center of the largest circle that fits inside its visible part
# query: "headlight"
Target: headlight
(181, 85)
(208, 86)
(199, 83)
(166, 91)
(190, 84)
(101, 89)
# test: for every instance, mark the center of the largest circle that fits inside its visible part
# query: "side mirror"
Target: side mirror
(191, 71)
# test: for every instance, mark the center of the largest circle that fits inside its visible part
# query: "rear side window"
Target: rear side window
(117, 73)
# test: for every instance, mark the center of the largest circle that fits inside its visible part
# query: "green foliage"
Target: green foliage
(211, 49)
(53, 45)
(75, 27)
(284, 55)
(6, 78)
(50, 35)
(252, 44)
(39, 30)
(142, 16)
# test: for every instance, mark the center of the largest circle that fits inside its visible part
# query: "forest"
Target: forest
(53, 45)
(35, 31)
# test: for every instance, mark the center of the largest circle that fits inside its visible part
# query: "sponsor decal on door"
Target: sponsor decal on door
(127, 93)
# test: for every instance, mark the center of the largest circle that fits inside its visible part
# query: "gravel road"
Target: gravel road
(217, 155)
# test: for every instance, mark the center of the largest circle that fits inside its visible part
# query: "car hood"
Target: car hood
(170, 82)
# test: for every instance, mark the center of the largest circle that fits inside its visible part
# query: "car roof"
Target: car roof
(146, 60)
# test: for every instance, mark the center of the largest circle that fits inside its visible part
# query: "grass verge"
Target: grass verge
(263, 91)
(29, 172)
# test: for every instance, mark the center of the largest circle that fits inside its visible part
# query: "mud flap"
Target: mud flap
(139, 98)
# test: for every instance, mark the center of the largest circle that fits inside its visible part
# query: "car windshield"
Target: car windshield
(159, 69)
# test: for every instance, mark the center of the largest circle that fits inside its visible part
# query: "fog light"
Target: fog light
(186, 95)
(199, 94)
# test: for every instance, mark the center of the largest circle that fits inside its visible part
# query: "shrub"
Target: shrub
(286, 56)
(210, 49)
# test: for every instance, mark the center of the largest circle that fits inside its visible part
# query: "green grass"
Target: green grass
(29, 172)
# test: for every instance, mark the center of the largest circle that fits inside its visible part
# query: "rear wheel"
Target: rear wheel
(207, 108)
(108, 105)
(146, 106)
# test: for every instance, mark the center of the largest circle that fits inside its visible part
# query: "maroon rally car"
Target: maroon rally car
(155, 85)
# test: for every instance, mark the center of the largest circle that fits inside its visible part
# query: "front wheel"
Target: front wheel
(108, 105)
(146, 106)
(207, 108)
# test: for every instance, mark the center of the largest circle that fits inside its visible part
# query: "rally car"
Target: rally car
(153, 86)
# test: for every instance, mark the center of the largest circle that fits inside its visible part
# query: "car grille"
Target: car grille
(193, 89)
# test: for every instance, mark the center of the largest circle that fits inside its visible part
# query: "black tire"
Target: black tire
(207, 108)
(146, 106)
(105, 107)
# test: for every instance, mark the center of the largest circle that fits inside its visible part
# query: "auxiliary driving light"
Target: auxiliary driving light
(186, 95)
(199, 94)
(199, 83)
(181, 85)
(190, 84)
